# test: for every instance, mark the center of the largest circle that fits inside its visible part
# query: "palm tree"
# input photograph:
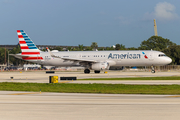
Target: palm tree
(94, 45)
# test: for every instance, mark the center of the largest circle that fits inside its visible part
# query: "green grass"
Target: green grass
(137, 78)
(92, 88)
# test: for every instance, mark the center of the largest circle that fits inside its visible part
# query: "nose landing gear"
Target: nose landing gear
(152, 69)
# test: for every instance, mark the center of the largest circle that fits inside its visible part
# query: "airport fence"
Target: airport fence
(143, 68)
(157, 68)
(167, 68)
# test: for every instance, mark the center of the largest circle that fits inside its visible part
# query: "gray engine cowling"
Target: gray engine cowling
(100, 66)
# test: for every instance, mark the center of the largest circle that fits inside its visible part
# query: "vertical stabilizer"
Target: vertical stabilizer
(28, 48)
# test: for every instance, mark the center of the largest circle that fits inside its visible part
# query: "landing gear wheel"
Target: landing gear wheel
(86, 71)
(152, 71)
(96, 71)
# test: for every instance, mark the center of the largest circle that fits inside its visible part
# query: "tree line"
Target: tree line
(157, 43)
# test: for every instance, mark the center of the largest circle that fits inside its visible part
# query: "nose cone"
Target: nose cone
(168, 60)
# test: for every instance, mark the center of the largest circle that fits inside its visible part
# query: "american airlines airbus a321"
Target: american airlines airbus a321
(91, 60)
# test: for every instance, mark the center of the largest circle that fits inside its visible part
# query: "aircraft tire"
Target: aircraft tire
(153, 71)
(97, 71)
(86, 71)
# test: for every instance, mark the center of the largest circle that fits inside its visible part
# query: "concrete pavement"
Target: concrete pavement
(42, 77)
(68, 106)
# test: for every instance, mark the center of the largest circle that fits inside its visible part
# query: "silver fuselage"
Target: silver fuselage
(114, 58)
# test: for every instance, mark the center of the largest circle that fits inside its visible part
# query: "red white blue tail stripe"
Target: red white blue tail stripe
(28, 48)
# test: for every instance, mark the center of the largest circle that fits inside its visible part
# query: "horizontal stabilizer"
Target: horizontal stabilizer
(18, 56)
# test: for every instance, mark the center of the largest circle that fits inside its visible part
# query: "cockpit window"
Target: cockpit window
(161, 55)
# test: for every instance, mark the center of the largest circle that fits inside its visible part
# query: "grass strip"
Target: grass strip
(92, 88)
(137, 78)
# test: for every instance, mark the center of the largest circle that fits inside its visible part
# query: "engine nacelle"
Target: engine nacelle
(100, 66)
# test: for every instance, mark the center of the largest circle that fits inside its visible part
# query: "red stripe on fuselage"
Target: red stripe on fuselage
(24, 47)
(30, 53)
(32, 58)
(22, 42)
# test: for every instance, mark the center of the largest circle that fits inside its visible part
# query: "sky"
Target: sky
(77, 22)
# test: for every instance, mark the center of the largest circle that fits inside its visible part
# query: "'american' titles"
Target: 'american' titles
(124, 56)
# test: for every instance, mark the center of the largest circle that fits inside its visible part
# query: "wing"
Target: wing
(71, 59)
(80, 60)
(18, 56)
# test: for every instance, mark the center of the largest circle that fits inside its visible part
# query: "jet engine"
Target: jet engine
(100, 66)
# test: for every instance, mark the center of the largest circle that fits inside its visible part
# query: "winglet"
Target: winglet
(52, 55)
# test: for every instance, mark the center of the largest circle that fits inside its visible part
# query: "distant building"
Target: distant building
(9, 47)
(41, 47)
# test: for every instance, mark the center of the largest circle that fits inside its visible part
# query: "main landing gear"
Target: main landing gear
(97, 71)
(152, 69)
(86, 71)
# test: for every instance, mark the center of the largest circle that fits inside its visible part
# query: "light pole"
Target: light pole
(8, 58)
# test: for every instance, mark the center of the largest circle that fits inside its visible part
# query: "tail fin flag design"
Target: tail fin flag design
(28, 48)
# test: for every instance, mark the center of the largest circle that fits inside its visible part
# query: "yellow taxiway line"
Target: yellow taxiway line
(25, 93)
(174, 96)
(65, 82)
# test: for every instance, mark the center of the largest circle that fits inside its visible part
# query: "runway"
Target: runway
(42, 77)
(68, 106)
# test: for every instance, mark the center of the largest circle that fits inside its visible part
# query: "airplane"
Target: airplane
(90, 60)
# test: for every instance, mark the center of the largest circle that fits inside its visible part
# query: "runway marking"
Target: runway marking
(174, 75)
(174, 96)
(65, 82)
(24, 93)
(135, 75)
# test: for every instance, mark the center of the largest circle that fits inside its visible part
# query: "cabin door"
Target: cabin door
(151, 56)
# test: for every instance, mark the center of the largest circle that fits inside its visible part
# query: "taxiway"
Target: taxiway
(33, 105)
(42, 77)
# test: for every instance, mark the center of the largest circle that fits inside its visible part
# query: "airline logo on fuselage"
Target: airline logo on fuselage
(124, 56)
(145, 56)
